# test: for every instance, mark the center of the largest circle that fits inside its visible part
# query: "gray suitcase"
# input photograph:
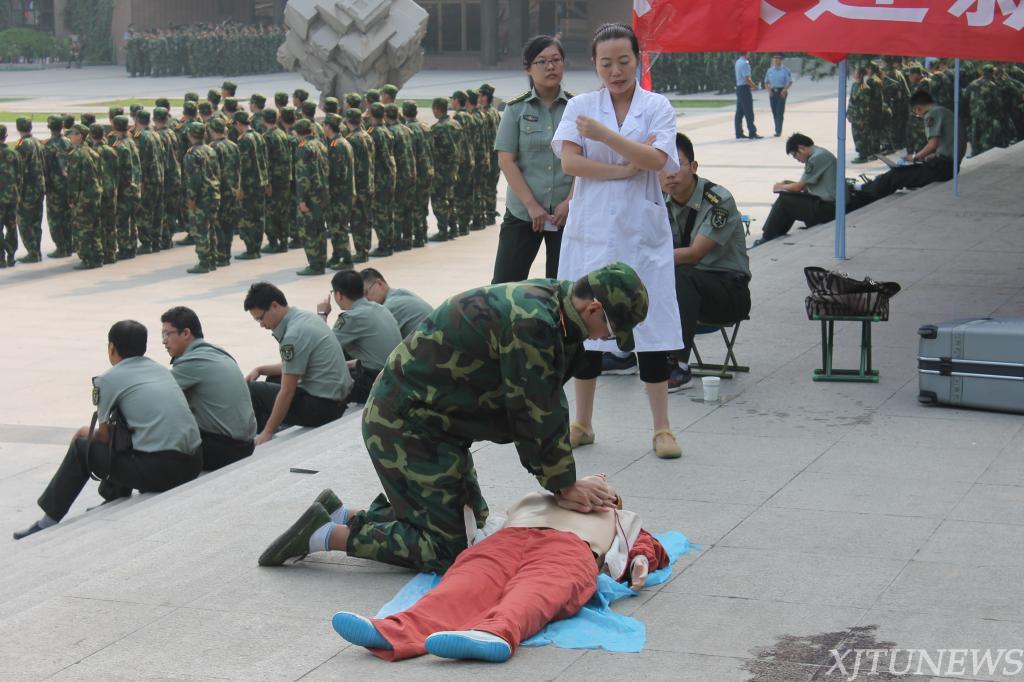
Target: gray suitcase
(973, 363)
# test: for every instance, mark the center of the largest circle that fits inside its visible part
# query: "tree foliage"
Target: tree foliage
(90, 20)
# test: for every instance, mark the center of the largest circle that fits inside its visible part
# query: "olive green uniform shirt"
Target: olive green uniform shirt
(367, 332)
(820, 174)
(938, 122)
(153, 406)
(215, 390)
(719, 220)
(308, 349)
(408, 308)
(526, 129)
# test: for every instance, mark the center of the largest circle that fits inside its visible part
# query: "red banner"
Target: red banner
(970, 29)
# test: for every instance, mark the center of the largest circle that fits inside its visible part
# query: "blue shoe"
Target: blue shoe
(613, 364)
(469, 644)
(679, 379)
(359, 630)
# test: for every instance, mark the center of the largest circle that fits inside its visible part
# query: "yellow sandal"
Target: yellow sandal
(585, 437)
(669, 451)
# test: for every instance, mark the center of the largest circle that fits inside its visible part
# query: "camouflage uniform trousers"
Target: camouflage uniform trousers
(58, 219)
(463, 207)
(174, 209)
(337, 228)
(201, 227)
(442, 200)
(107, 223)
(30, 223)
(313, 232)
(127, 227)
(492, 190)
(225, 222)
(280, 215)
(8, 232)
(427, 478)
(480, 218)
(359, 224)
(149, 216)
(419, 233)
(251, 217)
(384, 217)
(405, 212)
(85, 224)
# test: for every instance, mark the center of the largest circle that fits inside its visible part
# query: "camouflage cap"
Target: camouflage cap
(3, 132)
(334, 121)
(213, 96)
(205, 108)
(217, 125)
(88, 119)
(440, 103)
(916, 69)
(308, 108)
(389, 90)
(163, 102)
(353, 115)
(281, 99)
(409, 108)
(303, 127)
(288, 114)
(269, 115)
(115, 111)
(486, 89)
(391, 110)
(230, 104)
(134, 108)
(624, 298)
(160, 114)
(354, 100)
(189, 108)
(460, 96)
(472, 95)
(377, 110)
(229, 87)
(987, 68)
(96, 130)
(242, 117)
(142, 116)
(300, 94)
(331, 105)
(196, 129)
(55, 122)
(191, 96)
(372, 96)
(69, 121)
(23, 125)
(258, 99)
(120, 123)
(79, 129)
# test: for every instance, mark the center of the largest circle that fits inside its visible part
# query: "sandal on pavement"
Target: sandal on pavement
(584, 438)
(666, 451)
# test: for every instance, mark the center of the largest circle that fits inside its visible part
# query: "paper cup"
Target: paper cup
(711, 389)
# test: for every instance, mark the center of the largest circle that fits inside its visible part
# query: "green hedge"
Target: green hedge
(27, 43)
(90, 21)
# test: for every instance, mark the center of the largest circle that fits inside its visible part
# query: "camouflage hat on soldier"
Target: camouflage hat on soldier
(196, 129)
(331, 105)
(115, 111)
(242, 117)
(23, 125)
(191, 96)
(409, 109)
(288, 115)
(459, 96)
(377, 110)
(486, 89)
(229, 87)
(142, 116)
(308, 109)
(205, 108)
(303, 127)
(120, 123)
(624, 298)
(163, 102)
(353, 115)
(372, 96)
(189, 108)
(389, 90)
(300, 94)
(79, 129)
(134, 109)
(217, 125)
(280, 99)
(69, 121)
(3, 132)
(230, 105)
(354, 100)
(334, 121)
(269, 115)
(55, 122)
(391, 110)
(440, 103)
(160, 114)
(88, 118)
(213, 97)
(258, 99)
(96, 131)
(472, 96)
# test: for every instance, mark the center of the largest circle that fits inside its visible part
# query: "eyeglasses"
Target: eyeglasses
(611, 330)
(545, 63)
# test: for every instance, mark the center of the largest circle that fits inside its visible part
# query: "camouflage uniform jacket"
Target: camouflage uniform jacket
(108, 169)
(33, 174)
(254, 163)
(202, 175)
(484, 141)
(405, 154)
(362, 153)
(312, 173)
(229, 163)
(465, 122)
(129, 167)
(383, 157)
(83, 176)
(446, 142)
(172, 167)
(10, 176)
(422, 149)
(151, 156)
(342, 177)
(280, 157)
(55, 158)
(489, 364)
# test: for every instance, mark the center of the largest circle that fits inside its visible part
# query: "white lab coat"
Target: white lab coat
(624, 220)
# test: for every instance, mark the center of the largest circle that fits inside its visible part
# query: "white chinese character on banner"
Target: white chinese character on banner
(770, 13)
(985, 11)
(882, 11)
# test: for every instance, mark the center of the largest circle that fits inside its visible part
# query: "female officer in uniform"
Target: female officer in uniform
(615, 141)
(537, 201)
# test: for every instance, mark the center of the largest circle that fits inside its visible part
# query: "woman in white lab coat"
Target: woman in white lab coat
(614, 142)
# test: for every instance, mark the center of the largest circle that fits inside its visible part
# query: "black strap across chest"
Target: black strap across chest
(691, 219)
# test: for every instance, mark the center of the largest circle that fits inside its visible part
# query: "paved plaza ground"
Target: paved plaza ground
(827, 515)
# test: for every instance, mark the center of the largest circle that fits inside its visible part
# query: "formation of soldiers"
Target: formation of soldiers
(279, 177)
(991, 111)
(204, 49)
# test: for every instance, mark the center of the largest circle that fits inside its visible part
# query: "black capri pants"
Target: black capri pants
(654, 367)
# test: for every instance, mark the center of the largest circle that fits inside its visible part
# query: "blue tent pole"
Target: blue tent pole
(841, 167)
(956, 131)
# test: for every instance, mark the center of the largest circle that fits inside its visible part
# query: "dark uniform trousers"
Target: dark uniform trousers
(790, 207)
(709, 296)
(305, 410)
(220, 450)
(363, 379)
(778, 104)
(937, 169)
(143, 471)
(744, 110)
(518, 245)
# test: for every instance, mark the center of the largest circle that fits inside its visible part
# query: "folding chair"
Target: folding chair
(730, 364)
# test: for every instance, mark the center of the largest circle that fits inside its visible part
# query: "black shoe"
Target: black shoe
(248, 255)
(755, 136)
(224, 262)
(82, 265)
(269, 248)
(438, 237)
(360, 258)
(310, 271)
(741, 137)
(380, 252)
(31, 530)
(144, 250)
(187, 241)
(778, 134)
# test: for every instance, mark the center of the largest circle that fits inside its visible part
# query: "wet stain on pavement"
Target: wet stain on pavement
(826, 656)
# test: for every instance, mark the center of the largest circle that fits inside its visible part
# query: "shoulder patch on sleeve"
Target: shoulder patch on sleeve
(287, 352)
(719, 218)
(518, 98)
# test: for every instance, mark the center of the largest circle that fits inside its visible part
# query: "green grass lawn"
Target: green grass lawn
(700, 103)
